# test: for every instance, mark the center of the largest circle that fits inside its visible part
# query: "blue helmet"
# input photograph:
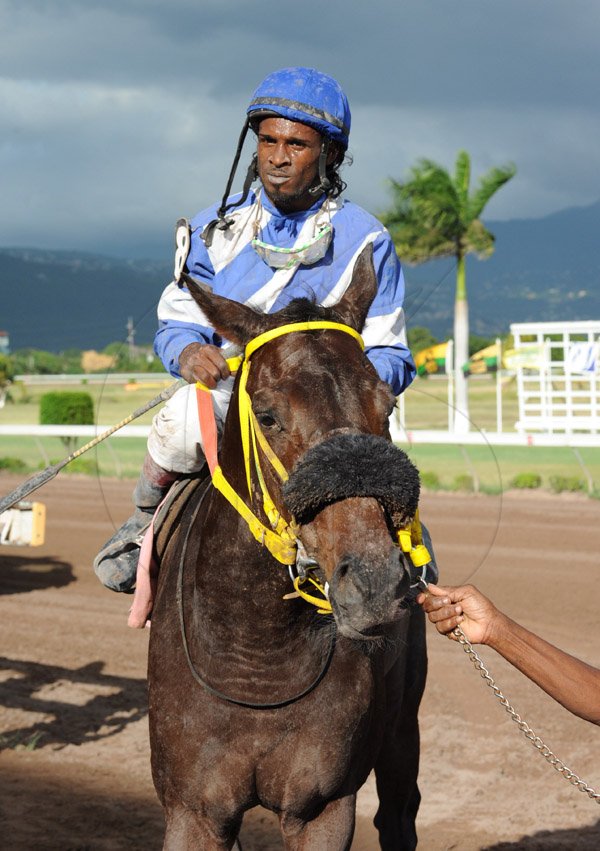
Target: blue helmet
(305, 95)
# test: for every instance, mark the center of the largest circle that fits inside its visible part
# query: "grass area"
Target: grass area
(121, 458)
(494, 468)
(426, 403)
(490, 469)
(112, 402)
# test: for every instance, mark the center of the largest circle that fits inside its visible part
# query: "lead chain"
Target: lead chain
(529, 734)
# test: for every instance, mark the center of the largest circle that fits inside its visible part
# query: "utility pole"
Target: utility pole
(131, 338)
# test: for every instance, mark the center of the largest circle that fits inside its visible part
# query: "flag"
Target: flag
(582, 358)
(432, 360)
(483, 361)
(527, 356)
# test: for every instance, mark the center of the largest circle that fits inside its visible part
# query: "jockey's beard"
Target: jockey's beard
(293, 202)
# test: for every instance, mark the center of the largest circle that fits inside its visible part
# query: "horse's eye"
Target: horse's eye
(266, 420)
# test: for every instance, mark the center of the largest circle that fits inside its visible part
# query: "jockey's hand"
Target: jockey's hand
(203, 362)
(462, 606)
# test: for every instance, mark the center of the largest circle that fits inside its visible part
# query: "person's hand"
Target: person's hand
(464, 606)
(203, 362)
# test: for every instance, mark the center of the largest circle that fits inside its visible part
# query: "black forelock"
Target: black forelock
(305, 310)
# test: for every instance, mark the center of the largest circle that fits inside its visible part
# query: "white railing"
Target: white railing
(399, 435)
(491, 438)
(72, 430)
(97, 378)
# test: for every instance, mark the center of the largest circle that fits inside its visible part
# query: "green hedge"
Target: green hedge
(66, 408)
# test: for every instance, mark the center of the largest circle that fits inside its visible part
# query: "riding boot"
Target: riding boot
(116, 563)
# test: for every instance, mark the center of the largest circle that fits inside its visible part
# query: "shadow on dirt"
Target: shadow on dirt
(20, 574)
(582, 838)
(77, 706)
(53, 812)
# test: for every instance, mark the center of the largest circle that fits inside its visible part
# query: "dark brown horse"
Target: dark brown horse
(260, 700)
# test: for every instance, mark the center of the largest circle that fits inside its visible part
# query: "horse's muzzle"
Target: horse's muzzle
(366, 595)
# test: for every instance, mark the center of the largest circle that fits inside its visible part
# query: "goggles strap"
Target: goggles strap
(324, 182)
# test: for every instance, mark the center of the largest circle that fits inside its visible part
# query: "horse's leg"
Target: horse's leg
(397, 765)
(331, 830)
(188, 830)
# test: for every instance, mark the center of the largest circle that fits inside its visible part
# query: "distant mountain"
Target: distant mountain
(57, 300)
(542, 269)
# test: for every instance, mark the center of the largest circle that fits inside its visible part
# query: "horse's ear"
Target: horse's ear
(232, 320)
(354, 305)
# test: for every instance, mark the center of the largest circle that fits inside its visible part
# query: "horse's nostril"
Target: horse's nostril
(342, 569)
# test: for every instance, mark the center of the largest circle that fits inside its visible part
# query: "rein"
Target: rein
(199, 679)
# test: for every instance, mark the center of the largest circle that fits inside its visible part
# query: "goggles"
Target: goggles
(288, 258)
(305, 255)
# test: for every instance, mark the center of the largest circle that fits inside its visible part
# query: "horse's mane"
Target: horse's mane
(305, 310)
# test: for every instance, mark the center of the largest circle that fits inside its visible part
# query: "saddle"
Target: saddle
(161, 533)
(167, 518)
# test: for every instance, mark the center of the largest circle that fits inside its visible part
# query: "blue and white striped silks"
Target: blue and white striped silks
(233, 269)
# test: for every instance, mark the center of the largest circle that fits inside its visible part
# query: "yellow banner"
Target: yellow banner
(432, 359)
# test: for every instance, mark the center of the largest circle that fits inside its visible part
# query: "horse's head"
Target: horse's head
(324, 412)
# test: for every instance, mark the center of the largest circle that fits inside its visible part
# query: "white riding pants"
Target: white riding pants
(175, 442)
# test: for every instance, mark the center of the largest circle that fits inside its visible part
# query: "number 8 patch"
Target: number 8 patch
(182, 247)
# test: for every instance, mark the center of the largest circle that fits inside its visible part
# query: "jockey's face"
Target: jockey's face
(288, 162)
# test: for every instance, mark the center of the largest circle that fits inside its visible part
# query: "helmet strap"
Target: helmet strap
(324, 184)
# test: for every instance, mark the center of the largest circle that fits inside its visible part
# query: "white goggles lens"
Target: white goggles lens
(288, 258)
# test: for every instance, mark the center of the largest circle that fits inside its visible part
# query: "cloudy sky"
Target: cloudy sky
(119, 116)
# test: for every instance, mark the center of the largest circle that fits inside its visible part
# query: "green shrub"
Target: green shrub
(430, 480)
(83, 466)
(13, 465)
(67, 408)
(571, 484)
(464, 482)
(491, 490)
(526, 480)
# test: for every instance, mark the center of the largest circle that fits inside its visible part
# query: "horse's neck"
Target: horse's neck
(239, 585)
(243, 637)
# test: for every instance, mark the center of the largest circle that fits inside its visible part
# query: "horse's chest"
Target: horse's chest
(301, 753)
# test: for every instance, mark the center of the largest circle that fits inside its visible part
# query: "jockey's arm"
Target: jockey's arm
(384, 332)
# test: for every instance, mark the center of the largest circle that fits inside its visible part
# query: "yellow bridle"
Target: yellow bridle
(281, 538)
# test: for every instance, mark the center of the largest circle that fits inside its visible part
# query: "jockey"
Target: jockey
(292, 236)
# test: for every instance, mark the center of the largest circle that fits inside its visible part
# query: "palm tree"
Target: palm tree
(434, 216)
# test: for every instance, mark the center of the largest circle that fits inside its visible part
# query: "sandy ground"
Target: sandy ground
(72, 688)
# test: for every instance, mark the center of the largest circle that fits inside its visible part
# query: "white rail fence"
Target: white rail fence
(399, 435)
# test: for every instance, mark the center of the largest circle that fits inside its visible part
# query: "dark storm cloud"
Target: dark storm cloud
(460, 52)
(118, 116)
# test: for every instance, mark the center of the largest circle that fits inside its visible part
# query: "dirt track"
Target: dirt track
(71, 671)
